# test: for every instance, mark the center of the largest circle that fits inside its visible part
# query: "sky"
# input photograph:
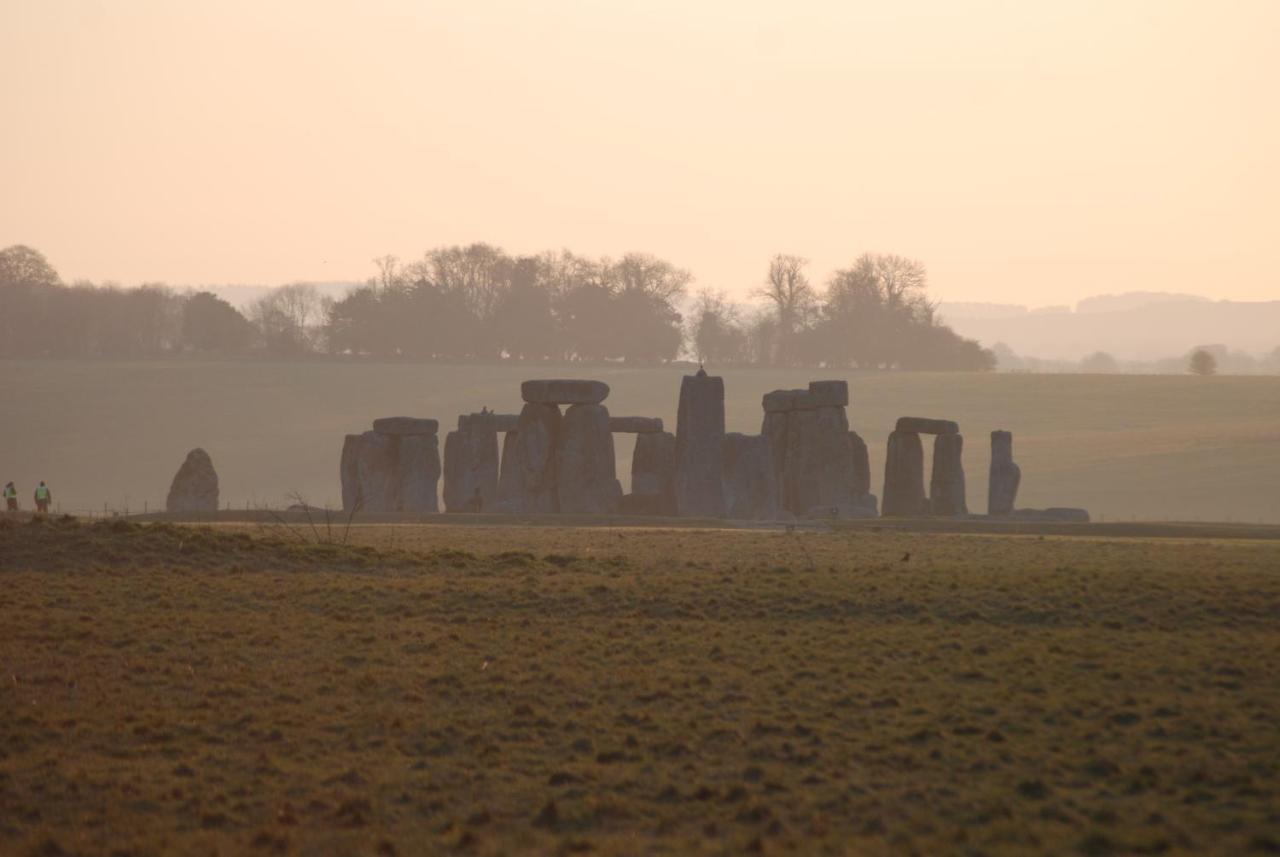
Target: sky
(1033, 153)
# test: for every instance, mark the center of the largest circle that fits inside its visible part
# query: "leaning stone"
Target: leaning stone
(195, 485)
(537, 434)
(700, 447)
(419, 471)
(635, 425)
(750, 485)
(653, 470)
(1004, 477)
(924, 425)
(377, 474)
(560, 391)
(348, 475)
(586, 475)
(904, 476)
(405, 426)
(829, 394)
(946, 485)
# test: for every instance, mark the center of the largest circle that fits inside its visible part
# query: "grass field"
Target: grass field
(1150, 447)
(499, 690)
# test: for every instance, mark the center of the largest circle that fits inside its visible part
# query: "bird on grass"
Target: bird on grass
(906, 556)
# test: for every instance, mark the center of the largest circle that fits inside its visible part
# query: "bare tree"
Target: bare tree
(788, 289)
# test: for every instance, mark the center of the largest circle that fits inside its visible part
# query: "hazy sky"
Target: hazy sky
(1030, 152)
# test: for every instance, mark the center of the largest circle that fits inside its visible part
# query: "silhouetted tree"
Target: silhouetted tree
(1099, 363)
(1202, 362)
(211, 324)
(788, 289)
(715, 331)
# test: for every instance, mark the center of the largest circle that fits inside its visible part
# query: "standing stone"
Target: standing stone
(419, 470)
(750, 484)
(482, 437)
(195, 485)
(904, 476)
(700, 447)
(376, 473)
(457, 472)
(586, 475)
(348, 473)
(537, 434)
(653, 475)
(861, 466)
(1005, 475)
(510, 476)
(946, 485)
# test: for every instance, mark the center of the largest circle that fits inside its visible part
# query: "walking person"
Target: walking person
(10, 497)
(43, 496)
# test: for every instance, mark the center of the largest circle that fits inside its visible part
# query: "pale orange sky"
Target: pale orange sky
(1029, 152)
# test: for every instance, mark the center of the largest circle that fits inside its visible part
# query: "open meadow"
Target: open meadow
(1147, 447)
(496, 690)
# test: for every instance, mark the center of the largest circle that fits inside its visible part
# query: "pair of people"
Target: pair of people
(43, 497)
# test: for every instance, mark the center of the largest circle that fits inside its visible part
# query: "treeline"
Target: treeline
(477, 303)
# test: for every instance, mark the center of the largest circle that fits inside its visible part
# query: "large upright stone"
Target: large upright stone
(377, 473)
(700, 447)
(1005, 476)
(813, 459)
(348, 473)
(904, 476)
(195, 485)
(750, 485)
(418, 465)
(946, 485)
(586, 475)
(561, 391)
(861, 466)
(510, 476)
(653, 474)
(458, 487)
(536, 437)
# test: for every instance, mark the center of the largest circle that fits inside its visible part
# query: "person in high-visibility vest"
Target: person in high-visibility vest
(43, 496)
(10, 497)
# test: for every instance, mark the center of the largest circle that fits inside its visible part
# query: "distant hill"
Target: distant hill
(1132, 326)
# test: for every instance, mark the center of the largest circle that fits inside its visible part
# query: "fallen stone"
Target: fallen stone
(946, 485)
(407, 426)
(904, 476)
(418, 467)
(195, 485)
(560, 391)
(535, 449)
(700, 447)
(1004, 476)
(635, 425)
(376, 473)
(924, 425)
(653, 471)
(750, 484)
(829, 394)
(586, 476)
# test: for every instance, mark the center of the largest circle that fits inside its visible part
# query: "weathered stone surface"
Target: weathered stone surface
(505, 422)
(829, 394)
(586, 475)
(635, 425)
(405, 426)
(195, 485)
(418, 467)
(510, 476)
(1005, 476)
(471, 467)
(483, 441)
(1057, 513)
(946, 485)
(924, 425)
(653, 473)
(750, 484)
(348, 473)
(861, 466)
(813, 457)
(376, 473)
(535, 451)
(904, 476)
(780, 401)
(561, 391)
(700, 447)
(644, 504)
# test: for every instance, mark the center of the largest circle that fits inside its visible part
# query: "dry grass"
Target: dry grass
(183, 690)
